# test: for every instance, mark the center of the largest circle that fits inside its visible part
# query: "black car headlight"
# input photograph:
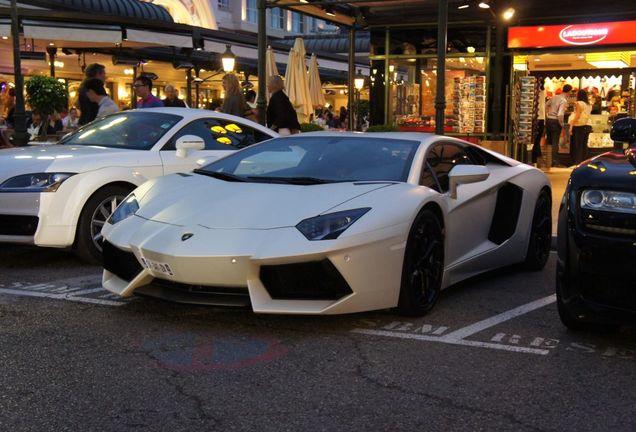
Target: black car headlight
(612, 201)
(127, 207)
(330, 226)
(37, 182)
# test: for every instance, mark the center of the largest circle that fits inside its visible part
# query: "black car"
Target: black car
(596, 269)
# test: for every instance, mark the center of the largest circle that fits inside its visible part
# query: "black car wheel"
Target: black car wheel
(94, 214)
(540, 234)
(423, 266)
(571, 319)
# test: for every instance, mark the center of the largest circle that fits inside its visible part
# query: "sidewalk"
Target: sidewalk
(559, 179)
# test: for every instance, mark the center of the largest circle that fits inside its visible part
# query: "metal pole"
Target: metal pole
(442, 34)
(387, 79)
(498, 82)
(133, 95)
(189, 87)
(352, 74)
(196, 88)
(20, 137)
(52, 52)
(261, 98)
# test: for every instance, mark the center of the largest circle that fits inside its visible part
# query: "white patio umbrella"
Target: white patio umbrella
(297, 83)
(270, 66)
(315, 86)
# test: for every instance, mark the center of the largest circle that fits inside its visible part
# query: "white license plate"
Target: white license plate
(157, 267)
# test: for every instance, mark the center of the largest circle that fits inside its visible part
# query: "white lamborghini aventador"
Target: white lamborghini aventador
(329, 223)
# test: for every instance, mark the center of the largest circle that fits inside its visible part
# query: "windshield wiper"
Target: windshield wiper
(292, 180)
(221, 175)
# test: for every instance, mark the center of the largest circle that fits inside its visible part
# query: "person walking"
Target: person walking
(88, 109)
(143, 89)
(234, 102)
(540, 129)
(97, 93)
(581, 126)
(281, 116)
(554, 122)
(171, 99)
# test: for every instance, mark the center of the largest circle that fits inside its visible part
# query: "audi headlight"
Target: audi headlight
(38, 182)
(330, 226)
(127, 207)
(613, 201)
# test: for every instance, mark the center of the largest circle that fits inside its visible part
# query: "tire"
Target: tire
(88, 244)
(423, 266)
(540, 233)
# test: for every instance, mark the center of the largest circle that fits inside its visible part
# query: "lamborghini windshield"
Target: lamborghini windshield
(137, 130)
(318, 159)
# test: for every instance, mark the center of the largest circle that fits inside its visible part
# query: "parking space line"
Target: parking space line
(451, 341)
(477, 327)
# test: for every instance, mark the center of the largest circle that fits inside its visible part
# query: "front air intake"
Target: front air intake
(121, 263)
(318, 280)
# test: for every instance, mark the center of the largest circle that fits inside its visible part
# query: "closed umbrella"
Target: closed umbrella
(297, 82)
(315, 86)
(270, 65)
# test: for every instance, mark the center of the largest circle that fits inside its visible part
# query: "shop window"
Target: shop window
(220, 134)
(298, 22)
(224, 4)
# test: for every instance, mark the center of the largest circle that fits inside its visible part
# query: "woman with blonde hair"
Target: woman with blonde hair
(234, 102)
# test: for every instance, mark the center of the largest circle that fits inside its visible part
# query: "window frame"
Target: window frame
(427, 166)
(171, 144)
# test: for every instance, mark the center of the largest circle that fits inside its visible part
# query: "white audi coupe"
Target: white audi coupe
(329, 223)
(61, 195)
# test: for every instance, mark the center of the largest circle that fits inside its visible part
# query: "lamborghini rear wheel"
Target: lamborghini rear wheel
(540, 233)
(423, 266)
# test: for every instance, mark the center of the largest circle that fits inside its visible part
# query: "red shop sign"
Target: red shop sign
(608, 33)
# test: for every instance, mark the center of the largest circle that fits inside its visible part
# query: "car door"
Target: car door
(469, 215)
(221, 137)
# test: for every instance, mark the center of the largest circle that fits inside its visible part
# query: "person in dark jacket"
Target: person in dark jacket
(281, 116)
(88, 109)
(171, 99)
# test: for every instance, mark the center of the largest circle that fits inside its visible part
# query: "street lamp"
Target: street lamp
(228, 59)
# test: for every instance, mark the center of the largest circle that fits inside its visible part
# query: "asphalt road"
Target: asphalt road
(492, 355)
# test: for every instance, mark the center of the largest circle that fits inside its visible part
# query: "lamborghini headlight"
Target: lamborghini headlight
(128, 207)
(330, 226)
(613, 201)
(38, 182)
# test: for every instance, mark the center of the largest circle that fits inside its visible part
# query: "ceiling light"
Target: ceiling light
(5, 37)
(610, 60)
(329, 12)
(484, 5)
(304, 1)
(463, 6)
(470, 49)
(508, 14)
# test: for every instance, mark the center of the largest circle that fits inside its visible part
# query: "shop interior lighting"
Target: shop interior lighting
(470, 49)
(609, 60)
(359, 81)
(463, 6)
(484, 4)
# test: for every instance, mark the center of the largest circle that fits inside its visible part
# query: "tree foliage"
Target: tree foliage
(46, 94)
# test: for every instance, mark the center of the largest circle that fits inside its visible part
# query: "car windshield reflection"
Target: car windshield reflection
(318, 159)
(136, 130)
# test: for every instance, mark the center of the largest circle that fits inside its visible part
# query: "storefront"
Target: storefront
(598, 57)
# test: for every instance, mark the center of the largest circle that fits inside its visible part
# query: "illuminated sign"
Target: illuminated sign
(608, 33)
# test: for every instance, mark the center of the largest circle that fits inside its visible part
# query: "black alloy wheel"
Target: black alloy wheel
(540, 234)
(96, 211)
(423, 266)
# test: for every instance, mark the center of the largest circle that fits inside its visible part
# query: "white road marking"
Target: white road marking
(62, 297)
(464, 332)
(458, 337)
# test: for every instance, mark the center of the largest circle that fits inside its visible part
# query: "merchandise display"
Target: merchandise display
(524, 110)
(469, 104)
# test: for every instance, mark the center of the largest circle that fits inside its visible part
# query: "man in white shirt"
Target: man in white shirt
(96, 92)
(71, 121)
(554, 120)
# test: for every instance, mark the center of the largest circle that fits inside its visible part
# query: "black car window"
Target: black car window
(441, 158)
(219, 134)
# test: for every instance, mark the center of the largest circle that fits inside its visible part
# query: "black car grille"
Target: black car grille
(18, 225)
(304, 281)
(121, 263)
(196, 294)
(608, 291)
(611, 224)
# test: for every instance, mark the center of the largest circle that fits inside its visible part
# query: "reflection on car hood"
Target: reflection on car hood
(199, 200)
(63, 158)
(613, 169)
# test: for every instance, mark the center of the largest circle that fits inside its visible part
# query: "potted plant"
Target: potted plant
(47, 95)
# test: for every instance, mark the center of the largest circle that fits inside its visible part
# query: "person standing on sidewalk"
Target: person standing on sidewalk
(581, 127)
(554, 121)
(143, 89)
(88, 109)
